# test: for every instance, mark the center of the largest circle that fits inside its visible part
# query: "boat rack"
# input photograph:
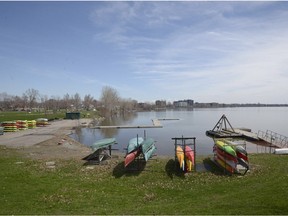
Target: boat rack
(240, 169)
(139, 162)
(184, 141)
(98, 156)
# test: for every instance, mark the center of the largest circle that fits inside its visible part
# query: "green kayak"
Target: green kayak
(148, 154)
(146, 144)
(103, 143)
(227, 148)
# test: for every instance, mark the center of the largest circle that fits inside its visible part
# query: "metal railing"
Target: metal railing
(274, 138)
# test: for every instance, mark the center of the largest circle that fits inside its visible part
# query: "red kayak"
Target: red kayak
(189, 153)
(241, 155)
(224, 165)
(224, 154)
(131, 156)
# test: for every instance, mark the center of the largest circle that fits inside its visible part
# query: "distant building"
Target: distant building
(160, 103)
(183, 103)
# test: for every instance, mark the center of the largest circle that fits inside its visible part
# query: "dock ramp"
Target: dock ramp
(273, 138)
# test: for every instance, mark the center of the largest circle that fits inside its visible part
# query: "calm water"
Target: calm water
(193, 123)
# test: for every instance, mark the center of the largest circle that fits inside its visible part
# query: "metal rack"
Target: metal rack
(184, 141)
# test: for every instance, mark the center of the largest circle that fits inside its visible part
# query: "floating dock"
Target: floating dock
(223, 129)
(156, 124)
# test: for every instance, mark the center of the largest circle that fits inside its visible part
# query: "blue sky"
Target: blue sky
(227, 52)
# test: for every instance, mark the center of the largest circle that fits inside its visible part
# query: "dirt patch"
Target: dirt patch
(50, 142)
(58, 147)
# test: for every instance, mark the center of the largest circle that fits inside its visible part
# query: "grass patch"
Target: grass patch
(18, 115)
(21, 115)
(70, 188)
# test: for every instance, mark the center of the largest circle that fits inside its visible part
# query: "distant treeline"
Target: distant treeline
(215, 105)
(110, 102)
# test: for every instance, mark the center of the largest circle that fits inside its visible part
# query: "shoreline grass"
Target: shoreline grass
(30, 187)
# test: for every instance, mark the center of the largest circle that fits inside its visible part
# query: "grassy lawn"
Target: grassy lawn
(15, 115)
(70, 188)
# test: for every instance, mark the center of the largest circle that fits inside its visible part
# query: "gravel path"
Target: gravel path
(48, 142)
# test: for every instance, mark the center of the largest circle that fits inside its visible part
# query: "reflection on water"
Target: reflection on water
(191, 123)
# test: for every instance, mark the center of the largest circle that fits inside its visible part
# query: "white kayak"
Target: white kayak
(281, 151)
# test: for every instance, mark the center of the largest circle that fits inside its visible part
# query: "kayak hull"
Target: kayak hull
(224, 165)
(281, 151)
(149, 153)
(180, 157)
(225, 147)
(134, 143)
(225, 154)
(103, 143)
(131, 157)
(189, 154)
(146, 144)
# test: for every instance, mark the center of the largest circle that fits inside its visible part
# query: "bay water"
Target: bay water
(188, 123)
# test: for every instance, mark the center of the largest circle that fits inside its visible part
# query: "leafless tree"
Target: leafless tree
(127, 105)
(44, 104)
(88, 101)
(109, 99)
(5, 101)
(66, 102)
(31, 95)
(77, 101)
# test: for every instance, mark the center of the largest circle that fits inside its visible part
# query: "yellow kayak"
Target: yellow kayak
(227, 148)
(180, 157)
(189, 165)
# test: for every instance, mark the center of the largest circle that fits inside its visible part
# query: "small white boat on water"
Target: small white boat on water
(281, 151)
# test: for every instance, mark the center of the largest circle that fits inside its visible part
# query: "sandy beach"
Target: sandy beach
(49, 142)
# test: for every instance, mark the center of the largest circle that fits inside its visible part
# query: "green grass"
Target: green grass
(71, 188)
(18, 115)
(15, 115)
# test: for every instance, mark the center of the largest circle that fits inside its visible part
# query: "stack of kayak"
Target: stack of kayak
(185, 157)
(41, 122)
(9, 126)
(1, 130)
(31, 124)
(22, 124)
(137, 146)
(229, 156)
(13, 126)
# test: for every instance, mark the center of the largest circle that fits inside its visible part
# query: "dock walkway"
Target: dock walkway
(156, 124)
(223, 129)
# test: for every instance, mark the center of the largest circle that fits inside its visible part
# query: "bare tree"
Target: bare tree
(66, 102)
(31, 95)
(127, 105)
(54, 103)
(88, 101)
(44, 104)
(77, 101)
(18, 102)
(6, 101)
(109, 99)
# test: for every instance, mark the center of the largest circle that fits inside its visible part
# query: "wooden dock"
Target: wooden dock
(223, 129)
(235, 133)
(246, 134)
(156, 124)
